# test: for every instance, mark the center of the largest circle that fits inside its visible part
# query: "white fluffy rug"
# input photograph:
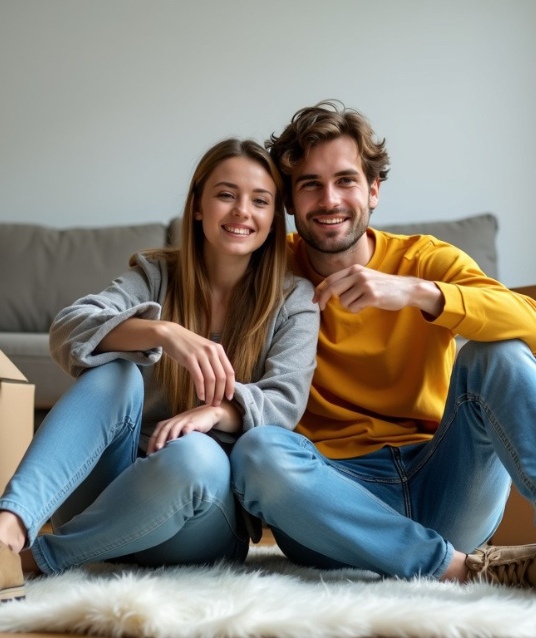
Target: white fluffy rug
(267, 597)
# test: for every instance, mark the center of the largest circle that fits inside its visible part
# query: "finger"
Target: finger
(221, 379)
(162, 437)
(322, 297)
(198, 379)
(151, 446)
(224, 378)
(230, 382)
(209, 381)
(351, 299)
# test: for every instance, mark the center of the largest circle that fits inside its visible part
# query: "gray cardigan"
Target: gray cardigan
(282, 376)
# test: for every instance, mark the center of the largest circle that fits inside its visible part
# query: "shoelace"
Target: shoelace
(511, 573)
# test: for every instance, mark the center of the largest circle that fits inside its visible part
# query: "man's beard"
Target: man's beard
(325, 244)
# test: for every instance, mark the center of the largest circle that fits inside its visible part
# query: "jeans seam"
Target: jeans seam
(437, 439)
(404, 480)
(82, 471)
(507, 444)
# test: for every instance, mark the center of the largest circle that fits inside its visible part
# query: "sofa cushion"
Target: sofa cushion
(45, 269)
(30, 352)
(474, 235)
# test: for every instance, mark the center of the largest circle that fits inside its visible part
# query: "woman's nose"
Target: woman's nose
(241, 207)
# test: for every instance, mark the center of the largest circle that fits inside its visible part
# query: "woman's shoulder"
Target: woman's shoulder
(299, 292)
(154, 262)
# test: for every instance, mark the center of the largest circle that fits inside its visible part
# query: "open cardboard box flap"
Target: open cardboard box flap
(16, 417)
(9, 371)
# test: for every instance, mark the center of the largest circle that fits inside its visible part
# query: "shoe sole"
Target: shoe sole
(12, 593)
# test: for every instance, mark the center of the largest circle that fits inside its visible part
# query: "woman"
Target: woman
(178, 356)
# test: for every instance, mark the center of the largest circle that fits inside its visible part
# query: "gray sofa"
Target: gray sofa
(45, 269)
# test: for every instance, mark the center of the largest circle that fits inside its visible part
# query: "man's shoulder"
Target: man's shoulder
(293, 241)
(296, 255)
(413, 243)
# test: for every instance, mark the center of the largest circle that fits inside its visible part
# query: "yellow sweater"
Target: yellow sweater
(382, 376)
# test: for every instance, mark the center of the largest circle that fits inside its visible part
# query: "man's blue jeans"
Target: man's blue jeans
(403, 511)
(82, 468)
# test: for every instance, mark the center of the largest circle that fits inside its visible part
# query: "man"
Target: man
(403, 460)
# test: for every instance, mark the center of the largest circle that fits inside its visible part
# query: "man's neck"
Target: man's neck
(325, 264)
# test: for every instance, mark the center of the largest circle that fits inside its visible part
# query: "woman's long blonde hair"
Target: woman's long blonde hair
(255, 297)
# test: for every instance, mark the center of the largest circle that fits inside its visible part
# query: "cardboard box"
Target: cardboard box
(517, 526)
(16, 417)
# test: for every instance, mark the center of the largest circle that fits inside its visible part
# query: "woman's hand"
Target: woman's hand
(203, 418)
(211, 370)
(200, 419)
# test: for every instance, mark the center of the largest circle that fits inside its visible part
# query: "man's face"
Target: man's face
(331, 199)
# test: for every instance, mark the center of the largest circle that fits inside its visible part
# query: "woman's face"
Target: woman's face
(237, 207)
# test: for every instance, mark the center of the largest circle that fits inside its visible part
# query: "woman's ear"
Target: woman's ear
(197, 215)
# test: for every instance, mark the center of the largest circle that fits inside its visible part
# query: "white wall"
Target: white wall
(106, 105)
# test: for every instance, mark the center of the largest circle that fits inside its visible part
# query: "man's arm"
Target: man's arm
(359, 287)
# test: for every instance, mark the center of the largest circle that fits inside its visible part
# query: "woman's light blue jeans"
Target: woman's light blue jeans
(83, 470)
(402, 511)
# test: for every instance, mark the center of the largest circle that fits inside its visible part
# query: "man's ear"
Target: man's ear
(289, 206)
(374, 193)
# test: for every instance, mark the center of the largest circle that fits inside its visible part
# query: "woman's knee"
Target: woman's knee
(194, 460)
(115, 378)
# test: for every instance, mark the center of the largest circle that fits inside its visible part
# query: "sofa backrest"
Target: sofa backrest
(44, 269)
(475, 235)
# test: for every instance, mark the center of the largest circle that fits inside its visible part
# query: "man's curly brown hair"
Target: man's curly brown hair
(326, 121)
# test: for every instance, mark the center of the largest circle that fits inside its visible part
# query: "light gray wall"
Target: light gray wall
(106, 105)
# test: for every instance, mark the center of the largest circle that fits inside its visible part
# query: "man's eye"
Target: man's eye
(347, 180)
(310, 185)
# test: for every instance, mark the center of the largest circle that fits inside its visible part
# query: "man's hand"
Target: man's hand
(359, 287)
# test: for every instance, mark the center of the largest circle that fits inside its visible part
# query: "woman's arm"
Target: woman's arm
(123, 321)
(280, 390)
(209, 367)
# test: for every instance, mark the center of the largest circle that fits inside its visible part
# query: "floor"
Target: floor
(267, 539)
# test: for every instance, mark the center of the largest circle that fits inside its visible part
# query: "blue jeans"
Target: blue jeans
(402, 511)
(82, 469)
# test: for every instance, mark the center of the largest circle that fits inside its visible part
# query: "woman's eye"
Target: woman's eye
(261, 202)
(225, 195)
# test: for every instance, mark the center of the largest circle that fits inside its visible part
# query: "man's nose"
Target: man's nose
(329, 197)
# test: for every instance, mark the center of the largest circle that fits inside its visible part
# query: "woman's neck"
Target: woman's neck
(223, 275)
(225, 272)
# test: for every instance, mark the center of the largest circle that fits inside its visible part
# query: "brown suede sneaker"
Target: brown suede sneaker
(514, 566)
(11, 576)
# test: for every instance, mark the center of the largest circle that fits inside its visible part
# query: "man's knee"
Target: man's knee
(510, 351)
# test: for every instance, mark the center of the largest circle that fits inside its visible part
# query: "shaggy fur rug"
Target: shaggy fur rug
(266, 597)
